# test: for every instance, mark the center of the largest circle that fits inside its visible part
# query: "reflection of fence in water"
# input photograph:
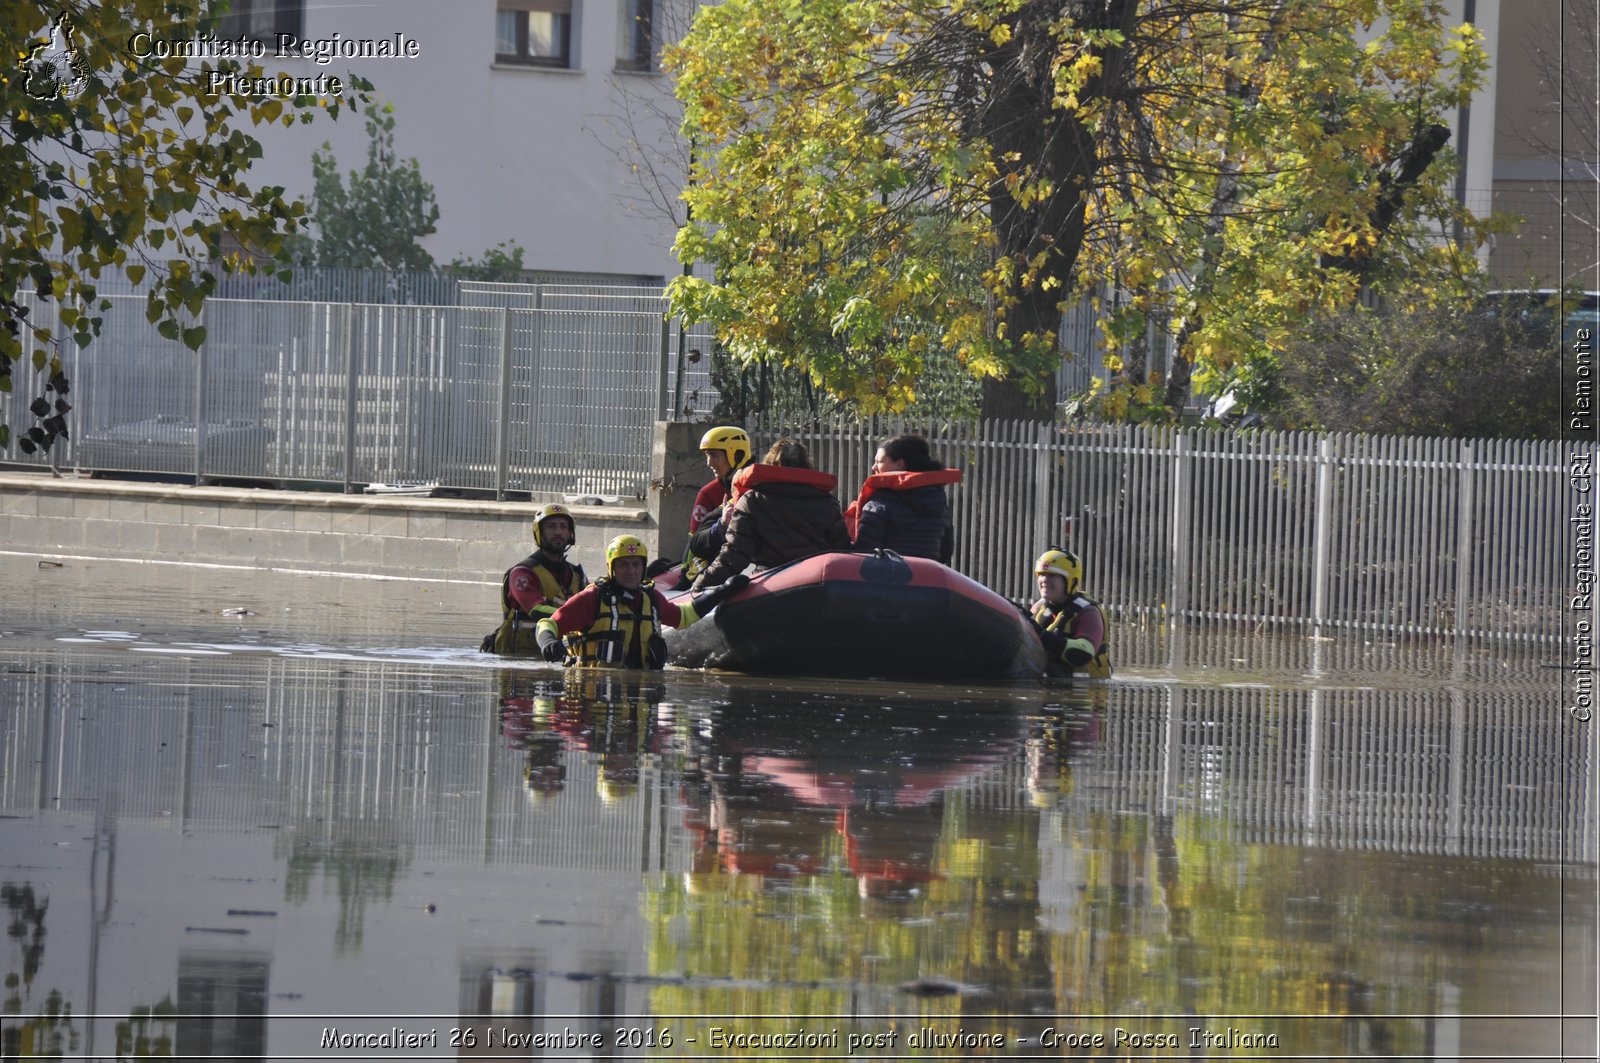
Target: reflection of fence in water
(337, 752)
(378, 751)
(1248, 650)
(1480, 771)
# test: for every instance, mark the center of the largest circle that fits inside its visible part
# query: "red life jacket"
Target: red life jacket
(755, 475)
(896, 481)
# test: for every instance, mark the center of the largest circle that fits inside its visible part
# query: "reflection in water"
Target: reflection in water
(609, 717)
(39, 1021)
(546, 855)
(222, 1000)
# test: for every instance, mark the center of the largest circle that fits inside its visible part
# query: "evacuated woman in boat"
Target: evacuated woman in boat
(903, 506)
(1070, 624)
(782, 510)
(534, 587)
(617, 620)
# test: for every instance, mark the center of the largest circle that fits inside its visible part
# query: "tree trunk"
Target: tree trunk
(1416, 158)
(1006, 400)
(1031, 138)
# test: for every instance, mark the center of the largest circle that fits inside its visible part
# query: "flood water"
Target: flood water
(266, 816)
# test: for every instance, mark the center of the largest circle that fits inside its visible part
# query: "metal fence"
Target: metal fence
(1291, 531)
(553, 389)
(543, 389)
(333, 284)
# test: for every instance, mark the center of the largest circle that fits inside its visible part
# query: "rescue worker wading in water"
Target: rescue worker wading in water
(535, 586)
(1071, 625)
(618, 620)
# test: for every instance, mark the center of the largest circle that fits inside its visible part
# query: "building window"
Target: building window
(262, 20)
(533, 32)
(636, 35)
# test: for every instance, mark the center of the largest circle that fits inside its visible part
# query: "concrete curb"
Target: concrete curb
(396, 536)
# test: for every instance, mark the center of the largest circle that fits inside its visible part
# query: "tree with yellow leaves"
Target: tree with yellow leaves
(882, 183)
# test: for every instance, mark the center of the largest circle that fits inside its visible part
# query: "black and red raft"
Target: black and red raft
(864, 615)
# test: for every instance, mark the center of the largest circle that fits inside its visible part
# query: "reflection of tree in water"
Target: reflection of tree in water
(1180, 914)
(851, 870)
(147, 1032)
(973, 903)
(363, 869)
(50, 1033)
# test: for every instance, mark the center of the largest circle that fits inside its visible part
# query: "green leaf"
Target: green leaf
(194, 337)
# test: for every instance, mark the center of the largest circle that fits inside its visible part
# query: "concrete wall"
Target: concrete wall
(421, 538)
(677, 472)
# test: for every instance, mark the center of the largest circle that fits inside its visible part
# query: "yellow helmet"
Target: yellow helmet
(732, 441)
(544, 513)
(1063, 563)
(625, 546)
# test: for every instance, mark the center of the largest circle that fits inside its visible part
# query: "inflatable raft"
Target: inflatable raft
(864, 615)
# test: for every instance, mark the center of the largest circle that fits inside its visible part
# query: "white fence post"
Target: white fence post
(1323, 531)
(1046, 512)
(503, 425)
(662, 405)
(351, 381)
(1182, 489)
(1464, 507)
(200, 411)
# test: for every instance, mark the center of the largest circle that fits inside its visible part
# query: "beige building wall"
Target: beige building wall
(535, 155)
(1545, 145)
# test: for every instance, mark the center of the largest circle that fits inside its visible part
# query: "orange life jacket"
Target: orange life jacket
(755, 475)
(895, 481)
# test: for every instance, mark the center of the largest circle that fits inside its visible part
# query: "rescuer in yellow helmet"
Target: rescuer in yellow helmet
(618, 620)
(727, 449)
(534, 587)
(1071, 625)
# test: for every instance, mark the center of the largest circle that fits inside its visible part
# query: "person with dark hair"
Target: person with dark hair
(779, 511)
(903, 506)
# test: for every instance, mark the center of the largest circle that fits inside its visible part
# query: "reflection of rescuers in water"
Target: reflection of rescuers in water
(618, 619)
(781, 510)
(602, 714)
(534, 587)
(1071, 625)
